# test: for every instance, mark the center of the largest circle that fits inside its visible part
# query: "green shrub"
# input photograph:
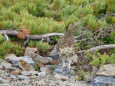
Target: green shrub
(9, 47)
(6, 24)
(47, 16)
(98, 59)
(43, 46)
(32, 44)
(2, 38)
(101, 59)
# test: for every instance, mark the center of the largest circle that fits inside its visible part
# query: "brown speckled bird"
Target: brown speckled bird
(25, 65)
(66, 47)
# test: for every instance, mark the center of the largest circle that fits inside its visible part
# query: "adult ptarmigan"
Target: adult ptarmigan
(66, 47)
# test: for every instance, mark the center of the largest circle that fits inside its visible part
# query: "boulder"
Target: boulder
(6, 65)
(103, 81)
(54, 54)
(10, 56)
(15, 60)
(107, 70)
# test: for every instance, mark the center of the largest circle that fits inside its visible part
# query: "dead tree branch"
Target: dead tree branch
(35, 37)
(91, 50)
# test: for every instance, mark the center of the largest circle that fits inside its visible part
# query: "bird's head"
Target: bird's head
(71, 27)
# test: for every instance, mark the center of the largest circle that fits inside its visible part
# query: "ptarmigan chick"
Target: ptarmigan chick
(24, 65)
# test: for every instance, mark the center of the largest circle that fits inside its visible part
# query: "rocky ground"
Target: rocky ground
(16, 73)
(13, 76)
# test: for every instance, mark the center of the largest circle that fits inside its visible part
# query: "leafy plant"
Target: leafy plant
(97, 59)
(2, 38)
(32, 44)
(42, 46)
(9, 47)
(101, 59)
(80, 75)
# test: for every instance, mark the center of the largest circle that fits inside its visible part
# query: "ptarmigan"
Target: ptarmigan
(24, 65)
(66, 47)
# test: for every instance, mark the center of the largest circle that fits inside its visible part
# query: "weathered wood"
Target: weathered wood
(35, 37)
(91, 50)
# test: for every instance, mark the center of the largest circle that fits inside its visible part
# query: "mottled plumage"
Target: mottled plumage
(25, 65)
(31, 52)
(66, 46)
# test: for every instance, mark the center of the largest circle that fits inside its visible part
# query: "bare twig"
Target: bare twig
(6, 36)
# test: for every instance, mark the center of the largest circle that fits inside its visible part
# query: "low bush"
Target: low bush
(43, 46)
(9, 47)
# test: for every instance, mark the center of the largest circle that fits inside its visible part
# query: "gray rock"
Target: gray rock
(3, 81)
(61, 70)
(10, 56)
(13, 76)
(76, 84)
(54, 54)
(81, 83)
(43, 59)
(41, 83)
(42, 74)
(94, 70)
(15, 61)
(22, 77)
(6, 65)
(103, 81)
(61, 77)
(43, 68)
(6, 74)
(0, 80)
(29, 72)
(1, 67)
(88, 77)
(107, 70)
(5, 85)
(31, 52)
(13, 68)
(1, 72)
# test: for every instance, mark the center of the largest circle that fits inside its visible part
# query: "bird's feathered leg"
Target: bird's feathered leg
(63, 64)
(69, 64)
